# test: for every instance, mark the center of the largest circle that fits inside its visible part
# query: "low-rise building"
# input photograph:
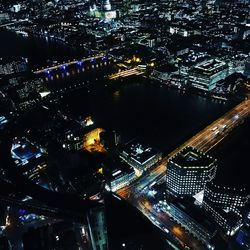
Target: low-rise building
(140, 157)
(193, 218)
(23, 152)
(205, 75)
(14, 67)
(72, 141)
(120, 177)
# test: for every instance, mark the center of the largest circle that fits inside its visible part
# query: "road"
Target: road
(205, 140)
(218, 130)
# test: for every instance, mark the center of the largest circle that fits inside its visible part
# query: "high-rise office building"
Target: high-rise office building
(225, 197)
(97, 228)
(189, 171)
(224, 204)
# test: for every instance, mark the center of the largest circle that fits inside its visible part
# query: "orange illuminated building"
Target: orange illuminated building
(91, 141)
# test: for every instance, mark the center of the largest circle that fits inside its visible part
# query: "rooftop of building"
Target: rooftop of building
(3, 121)
(218, 187)
(23, 151)
(73, 129)
(117, 169)
(138, 152)
(192, 158)
(210, 67)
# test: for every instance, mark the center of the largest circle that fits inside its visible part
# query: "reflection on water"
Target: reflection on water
(65, 76)
(37, 49)
(157, 115)
(116, 96)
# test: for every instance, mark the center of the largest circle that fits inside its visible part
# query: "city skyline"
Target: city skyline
(124, 125)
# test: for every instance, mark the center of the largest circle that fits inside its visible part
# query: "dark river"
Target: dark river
(161, 117)
(38, 51)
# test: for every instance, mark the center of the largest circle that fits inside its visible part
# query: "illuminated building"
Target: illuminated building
(92, 136)
(189, 171)
(87, 121)
(3, 217)
(181, 30)
(243, 237)
(229, 221)
(237, 64)
(97, 228)
(36, 172)
(103, 11)
(247, 219)
(224, 205)
(72, 141)
(120, 177)
(36, 86)
(16, 8)
(3, 120)
(8, 68)
(91, 141)
(205, 75)
(140, 157)
(86, 138)
(193, 219)
(4, 17)
(164, 72)
(247, 68)
(225, 197)
(24, 152)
